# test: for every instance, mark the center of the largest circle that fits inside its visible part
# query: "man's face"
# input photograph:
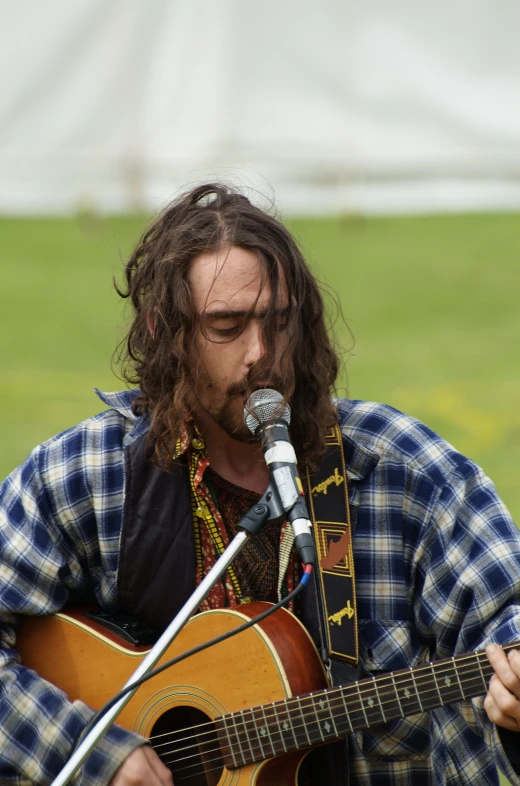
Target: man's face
(226, 287)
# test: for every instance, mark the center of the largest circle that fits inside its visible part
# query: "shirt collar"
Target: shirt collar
(121, 401)
(190, 437)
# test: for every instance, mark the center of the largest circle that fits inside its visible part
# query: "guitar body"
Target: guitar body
(269, 662)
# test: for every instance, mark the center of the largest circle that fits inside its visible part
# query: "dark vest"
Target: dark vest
(157, 562)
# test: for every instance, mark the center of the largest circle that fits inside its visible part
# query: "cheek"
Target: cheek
(217, 360)
(222, 363)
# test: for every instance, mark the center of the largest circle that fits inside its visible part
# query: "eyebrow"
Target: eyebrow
(228, 313)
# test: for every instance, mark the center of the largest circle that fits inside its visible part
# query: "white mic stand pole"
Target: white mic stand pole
(251, 524)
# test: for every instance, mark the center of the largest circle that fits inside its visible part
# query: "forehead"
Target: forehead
(233, 276)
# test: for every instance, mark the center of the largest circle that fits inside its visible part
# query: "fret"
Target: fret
(233, 717)
(432, 669)
(416, 691)
(347, 713)
(259, 734)
(247, 735)
(289, 722)
(326, 724)
(406, 696)
(331, 714)
(267, 727)
(427, 686)
(362, 705)
(254, 737)
(450, 690)
(299, 724)
(307, 724)
(379, 699)
(471, 677)
(372, 705)
(318, 721)
(391, 703)
(397, 694)
(455, 669)
(230, 744)
(483, 676)
(277, 716)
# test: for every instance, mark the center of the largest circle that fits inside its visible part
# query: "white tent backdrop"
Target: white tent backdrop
(338, 105)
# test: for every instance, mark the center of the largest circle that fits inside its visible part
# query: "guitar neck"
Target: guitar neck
(303, 721)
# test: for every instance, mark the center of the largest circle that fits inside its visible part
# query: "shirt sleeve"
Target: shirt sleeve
(468, 587)
(40, 566)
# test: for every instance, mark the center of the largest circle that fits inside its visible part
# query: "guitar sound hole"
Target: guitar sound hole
(186, 741)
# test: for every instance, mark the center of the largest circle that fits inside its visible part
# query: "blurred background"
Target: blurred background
(387, 134)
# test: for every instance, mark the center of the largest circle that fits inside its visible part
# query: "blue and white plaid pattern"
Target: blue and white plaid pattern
(437, 567)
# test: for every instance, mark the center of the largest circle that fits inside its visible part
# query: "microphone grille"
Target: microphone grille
(264, 405)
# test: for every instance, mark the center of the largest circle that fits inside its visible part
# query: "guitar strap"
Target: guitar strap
(327, 494)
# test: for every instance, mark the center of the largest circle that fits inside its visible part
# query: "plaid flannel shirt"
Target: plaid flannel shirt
(437, 565)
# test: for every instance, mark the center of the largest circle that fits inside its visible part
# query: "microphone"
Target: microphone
(267, 415)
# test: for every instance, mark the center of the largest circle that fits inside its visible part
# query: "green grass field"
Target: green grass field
(431, 302)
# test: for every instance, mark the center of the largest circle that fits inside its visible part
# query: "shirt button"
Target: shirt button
(200, 512)
(197, 444)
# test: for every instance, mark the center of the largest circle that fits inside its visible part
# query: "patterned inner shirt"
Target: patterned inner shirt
(257, 564)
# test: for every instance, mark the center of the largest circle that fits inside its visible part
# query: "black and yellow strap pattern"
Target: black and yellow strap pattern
(327, 493)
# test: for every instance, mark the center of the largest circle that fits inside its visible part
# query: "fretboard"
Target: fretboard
(303, 721)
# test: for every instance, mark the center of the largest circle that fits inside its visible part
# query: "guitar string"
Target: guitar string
(403, 681)
(311, 713)
(219, 758)
(245, 724)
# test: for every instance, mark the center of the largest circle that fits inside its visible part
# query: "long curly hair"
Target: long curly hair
(157, 352)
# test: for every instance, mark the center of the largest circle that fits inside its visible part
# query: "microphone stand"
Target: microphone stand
(266, 509)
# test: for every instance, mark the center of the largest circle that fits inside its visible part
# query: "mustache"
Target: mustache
(252, 382)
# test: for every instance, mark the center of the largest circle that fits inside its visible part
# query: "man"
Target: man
(133, 506)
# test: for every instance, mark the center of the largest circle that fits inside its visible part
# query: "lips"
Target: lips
(244, 395)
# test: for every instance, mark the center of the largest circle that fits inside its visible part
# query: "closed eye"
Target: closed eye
(222, 328)
(230, 331)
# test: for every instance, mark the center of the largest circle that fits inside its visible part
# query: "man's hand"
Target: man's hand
(142, 768)
(502, 702)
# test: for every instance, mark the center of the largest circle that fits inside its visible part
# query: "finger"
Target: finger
(507, 668)
(136, 771)
(496, 715)
(514, 661)
(159, 768)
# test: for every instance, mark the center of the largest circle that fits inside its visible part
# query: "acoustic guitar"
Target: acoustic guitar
(246, 711)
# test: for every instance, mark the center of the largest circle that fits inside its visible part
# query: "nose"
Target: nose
(255, 344)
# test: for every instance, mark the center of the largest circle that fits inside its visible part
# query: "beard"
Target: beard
(229, 414)
(226, 409)
(230, 418)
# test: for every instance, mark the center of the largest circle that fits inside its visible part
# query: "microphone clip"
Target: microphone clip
(266, 509)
